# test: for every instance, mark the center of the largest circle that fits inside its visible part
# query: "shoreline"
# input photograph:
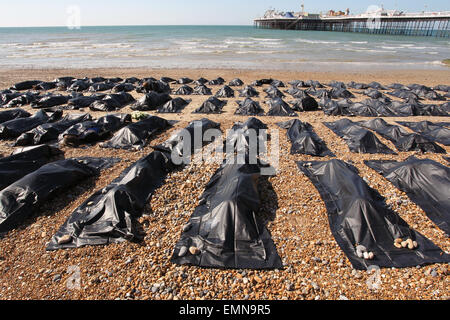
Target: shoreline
(8, 76)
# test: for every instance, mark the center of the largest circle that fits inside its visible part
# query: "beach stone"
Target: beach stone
(64, 239)
(194, 250)
(57, 278)
(257, 279)
(187, 227)
(183, 251)
(289, 287)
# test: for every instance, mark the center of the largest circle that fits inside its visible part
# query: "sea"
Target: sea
(230, 47)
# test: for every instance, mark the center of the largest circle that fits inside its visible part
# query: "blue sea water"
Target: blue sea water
(239, 47)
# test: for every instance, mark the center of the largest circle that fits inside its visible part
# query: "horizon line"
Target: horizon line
(138, 25)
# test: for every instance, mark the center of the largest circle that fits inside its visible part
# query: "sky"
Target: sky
(27, 13)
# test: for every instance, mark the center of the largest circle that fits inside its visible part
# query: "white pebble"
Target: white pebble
(182, 252)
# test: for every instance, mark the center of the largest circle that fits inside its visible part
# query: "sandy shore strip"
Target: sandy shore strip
(315, 267)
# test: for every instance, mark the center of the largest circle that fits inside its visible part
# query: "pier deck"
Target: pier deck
(429, 26)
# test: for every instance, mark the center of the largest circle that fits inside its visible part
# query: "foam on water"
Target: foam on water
(215, 47)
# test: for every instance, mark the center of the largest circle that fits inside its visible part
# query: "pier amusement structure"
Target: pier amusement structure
(376, 20)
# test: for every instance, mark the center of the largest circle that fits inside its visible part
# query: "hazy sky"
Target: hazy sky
(19, 13)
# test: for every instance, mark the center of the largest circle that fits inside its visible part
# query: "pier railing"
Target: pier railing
(428, 26)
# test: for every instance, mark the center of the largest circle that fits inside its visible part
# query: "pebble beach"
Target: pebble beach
(315, 268)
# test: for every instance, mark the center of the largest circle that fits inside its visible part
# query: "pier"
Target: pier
(423, 24)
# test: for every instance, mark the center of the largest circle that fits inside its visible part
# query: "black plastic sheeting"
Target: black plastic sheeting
(152, 85)
(135, 136)
(50, 101)
(6, 96)
(202, 90)
(174, 106)
(334, 108)
(19, 200)
(297, 92)
(225, 92)
(433, 131)
(426, 182)
(21, 100)
(248, 107)
(12, 114)
(48, 132)
(358, 215)
(226, 228)
(212, 105)
(217, 82)
(184, 140)
(403, 141)
(100, 86)
(261, 82)
(247, 136)
(151, 101)
(184, 91)
(358, 139)
(112, 102)
(45, 86)
(25, 85)
(278, 84)
(18, 165)
(93, 131)
(273, 92)
(304, 104)
(110, 215)
(382, 107)
(236, 83)
(358, 86)
(337, 93)
(14, 128)
(304, 139)
(168, 80)
(201, 81)
(78, 86)
(279, 108)
(84, 101)
(248, 92)
(123, 87)
(184, 80)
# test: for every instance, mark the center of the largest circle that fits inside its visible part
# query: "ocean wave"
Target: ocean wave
(265, 39)
(391, 48)
(233, 48)
(316, 41)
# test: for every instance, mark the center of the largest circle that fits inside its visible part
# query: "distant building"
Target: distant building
(289, 15)
(393, 22)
